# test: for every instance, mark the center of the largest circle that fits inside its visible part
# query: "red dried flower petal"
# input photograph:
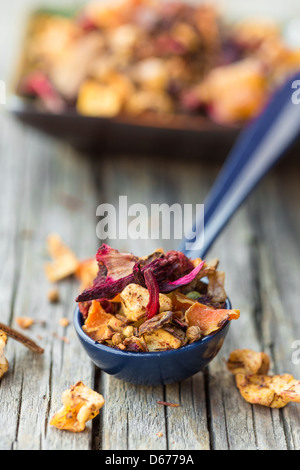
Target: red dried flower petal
(152, 286)
(171, 270)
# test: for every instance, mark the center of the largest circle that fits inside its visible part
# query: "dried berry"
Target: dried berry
(193, 333)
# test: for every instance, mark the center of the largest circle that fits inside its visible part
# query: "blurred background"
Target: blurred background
(137, 76)
(13, 18)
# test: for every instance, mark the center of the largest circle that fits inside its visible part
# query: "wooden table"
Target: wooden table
(46, 186)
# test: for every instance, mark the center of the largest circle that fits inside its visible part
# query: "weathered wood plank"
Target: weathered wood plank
(193, 431)
(47, 176)
(9, 230)
(278, 225)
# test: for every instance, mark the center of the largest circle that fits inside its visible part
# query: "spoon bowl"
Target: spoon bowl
(153, 368)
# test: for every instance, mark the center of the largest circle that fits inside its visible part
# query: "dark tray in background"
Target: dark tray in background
(177, 136)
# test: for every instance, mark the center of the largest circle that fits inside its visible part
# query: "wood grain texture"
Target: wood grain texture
(48, 187)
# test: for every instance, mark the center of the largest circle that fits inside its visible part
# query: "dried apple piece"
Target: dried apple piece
(145, 100)
(68, 74)
(273, 391)
(161, 340)
(3, 361)
(207, 318)
(64, 263)
(135, 299)
(246, 361)
(228, 106)
(293, 393)
(81, 404)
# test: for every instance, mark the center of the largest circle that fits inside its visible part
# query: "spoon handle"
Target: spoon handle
(259, 147)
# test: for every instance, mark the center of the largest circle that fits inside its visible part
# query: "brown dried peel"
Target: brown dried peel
(14, 334)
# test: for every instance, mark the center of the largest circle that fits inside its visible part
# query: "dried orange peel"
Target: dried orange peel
(99, 325)
(209, 319)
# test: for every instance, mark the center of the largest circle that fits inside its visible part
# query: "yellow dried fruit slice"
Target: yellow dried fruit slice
(161, 340)
(81, 404)
(273, 391)
(246, 361)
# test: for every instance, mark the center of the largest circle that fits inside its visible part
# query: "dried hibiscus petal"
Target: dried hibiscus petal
(118, 265)
(172, 285)
(138, 275)
(152, 286)
(171, 270)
